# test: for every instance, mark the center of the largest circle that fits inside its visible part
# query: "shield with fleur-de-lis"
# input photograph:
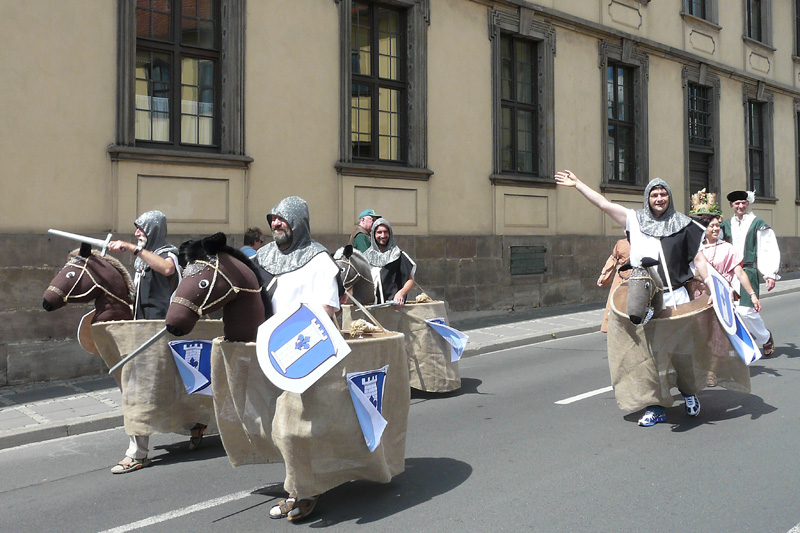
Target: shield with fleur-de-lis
(295, 349)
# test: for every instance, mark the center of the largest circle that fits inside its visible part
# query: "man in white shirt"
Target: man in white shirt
(756, 241)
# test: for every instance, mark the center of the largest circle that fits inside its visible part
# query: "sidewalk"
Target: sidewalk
(43, 411)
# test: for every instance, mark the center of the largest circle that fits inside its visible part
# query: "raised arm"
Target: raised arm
(617, 213)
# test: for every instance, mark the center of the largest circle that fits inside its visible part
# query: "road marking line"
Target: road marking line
(584, 395)
(181, 512)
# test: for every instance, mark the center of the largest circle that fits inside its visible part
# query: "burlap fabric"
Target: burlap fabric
(678, 349)
(316, 433)
(154, 399)
(429, 365)
(244, 402)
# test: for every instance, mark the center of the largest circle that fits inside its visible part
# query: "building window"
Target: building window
(621, 126)
(179, 61)
(518, 102)
(797, 147)
(758, 20)
(625, 129)
(759, 143)
(384, 70)
(796, 27)
(523, 51)
(177, 72)
(379, 83)
(696, 8)
(701, 142)
(756, 147)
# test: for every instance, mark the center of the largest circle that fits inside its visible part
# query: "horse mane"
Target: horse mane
(203, 249)
(114, 262)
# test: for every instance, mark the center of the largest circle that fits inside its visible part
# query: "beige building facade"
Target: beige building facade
(448, 117)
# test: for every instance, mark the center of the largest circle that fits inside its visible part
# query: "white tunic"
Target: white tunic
(314, 282)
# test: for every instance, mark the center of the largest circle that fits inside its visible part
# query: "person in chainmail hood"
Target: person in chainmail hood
(392, 269)
(157, 275)
(659, 232)
(303, 270)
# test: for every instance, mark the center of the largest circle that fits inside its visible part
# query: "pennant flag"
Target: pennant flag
(366, 389)
(456, 339)
(297, 347)
(193, 359)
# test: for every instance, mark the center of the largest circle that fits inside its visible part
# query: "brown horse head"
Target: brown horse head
(355, 275)
(218, 276)
(87, 277)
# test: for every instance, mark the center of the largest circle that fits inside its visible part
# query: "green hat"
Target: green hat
(368, 213)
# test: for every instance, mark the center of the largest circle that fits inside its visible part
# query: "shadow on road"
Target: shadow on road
(365, 502)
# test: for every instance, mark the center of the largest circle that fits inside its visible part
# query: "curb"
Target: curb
(57, 430)
(490, 347)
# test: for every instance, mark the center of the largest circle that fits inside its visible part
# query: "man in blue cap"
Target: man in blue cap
(360, 239)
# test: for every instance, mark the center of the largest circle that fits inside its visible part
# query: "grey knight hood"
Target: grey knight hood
(294, 210)
(669, 223)
(374, 255)
(154, 226)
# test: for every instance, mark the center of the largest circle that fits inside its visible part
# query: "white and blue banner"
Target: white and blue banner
(193, 359)
(298, 346)
(366, 389)
(740, 338)
(456, 339)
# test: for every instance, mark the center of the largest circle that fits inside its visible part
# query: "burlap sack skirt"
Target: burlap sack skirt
(317, 433)
(678, 349)
(154, 399)
(429, 365)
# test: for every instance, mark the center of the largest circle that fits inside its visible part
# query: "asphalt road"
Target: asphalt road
(501, 455)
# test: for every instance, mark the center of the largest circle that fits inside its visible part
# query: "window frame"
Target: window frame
(230, 92)
(797, 149)
(702, 77)
(521, 25)
(765, 26)
(711, 8)
(417, 17)
(758, 94)
(626, 55)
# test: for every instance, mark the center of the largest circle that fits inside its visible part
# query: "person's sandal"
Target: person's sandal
(712, 380)
(302, 508)
(129, 464)
(282, 509)
(197, 436)
(769, 346)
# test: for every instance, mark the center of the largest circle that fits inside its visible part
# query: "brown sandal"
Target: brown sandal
(282, 509)
(769, 346)
(302, 508)
(197, 436)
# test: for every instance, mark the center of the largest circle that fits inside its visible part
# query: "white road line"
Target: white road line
(584, 395)
(181, 512)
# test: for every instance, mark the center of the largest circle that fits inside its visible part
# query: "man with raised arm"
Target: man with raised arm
(659, 232)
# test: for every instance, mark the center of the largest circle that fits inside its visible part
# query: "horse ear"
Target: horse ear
(626, 266)
(648, 262)
(86, 250)
(214, 243)
(348, 250)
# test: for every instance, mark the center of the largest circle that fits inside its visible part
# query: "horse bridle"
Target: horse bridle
(653, 286)
(82, 264)
(349, 282)
(199, 309)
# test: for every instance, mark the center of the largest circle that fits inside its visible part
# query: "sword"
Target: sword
(138, 350)
(103, 245)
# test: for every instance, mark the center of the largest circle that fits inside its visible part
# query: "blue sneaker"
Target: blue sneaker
(651, 418)
(692, 405)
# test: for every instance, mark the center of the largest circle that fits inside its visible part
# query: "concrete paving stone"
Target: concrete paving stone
(39, 394)
(97, 384)
(17, 422)
(11, 414)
